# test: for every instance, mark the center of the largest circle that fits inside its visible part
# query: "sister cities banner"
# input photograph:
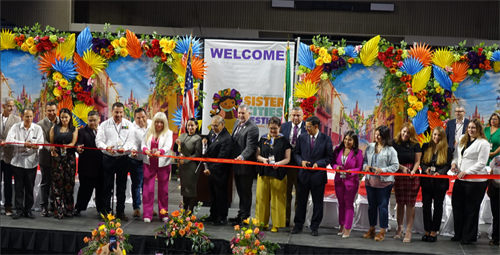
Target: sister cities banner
(244, 72)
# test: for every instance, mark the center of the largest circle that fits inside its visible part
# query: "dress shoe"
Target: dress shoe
(455, 239)
(76, 213)
(209, 219)
(296, 231)
(425, 238)
(137, 213)
(17, 215)
(8, 210)
(432, 239)
(219, 222)
(314, 233)
(45, 212)
(30, 215)
(122, 216)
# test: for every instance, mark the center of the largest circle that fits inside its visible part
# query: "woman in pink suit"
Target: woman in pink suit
(158, 141)
(349, 157)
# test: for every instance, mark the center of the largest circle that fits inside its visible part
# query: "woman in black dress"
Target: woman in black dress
(64, 164)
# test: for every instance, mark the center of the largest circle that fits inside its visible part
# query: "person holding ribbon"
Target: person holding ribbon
(436, 160)
(157, 142)
(63, 164)
(347, 156)
(493, 136)
(111, 138)
(406, 187)
(470, 157)
(380, 157)
(189, 145)
(275, 150)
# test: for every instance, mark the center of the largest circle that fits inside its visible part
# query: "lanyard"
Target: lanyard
(27, 135)
(116, 129)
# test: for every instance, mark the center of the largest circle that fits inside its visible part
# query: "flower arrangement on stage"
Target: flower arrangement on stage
(184, 224)
(100, 237)
(252, 240)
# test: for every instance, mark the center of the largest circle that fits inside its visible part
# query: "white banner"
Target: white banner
(245, 72)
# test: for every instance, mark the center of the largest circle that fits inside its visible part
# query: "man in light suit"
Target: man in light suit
(291, 131)
(45, 157)
(8, 119)
(313, 149)
(456, 127)
(245, 138)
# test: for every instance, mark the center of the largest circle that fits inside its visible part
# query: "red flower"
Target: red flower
(400, 51)
(39, 47)
(487, 67)
(381, 56)
(19, 43)
(89, 101)
(388, 63)
(150, 53)
(156, 44)
(398, 57)
(390, 51)
(47, 45)
(157, 51)
(481, 66)
(44, 39)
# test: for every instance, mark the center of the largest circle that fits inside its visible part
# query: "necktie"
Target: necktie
(294, 138)
(237, 131)
(213, 138)
(312, 142)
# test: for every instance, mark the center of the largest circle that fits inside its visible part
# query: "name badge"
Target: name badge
(124, 127)
(271, 159)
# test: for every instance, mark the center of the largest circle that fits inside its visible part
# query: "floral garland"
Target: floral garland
(252, 240)
(101, 234)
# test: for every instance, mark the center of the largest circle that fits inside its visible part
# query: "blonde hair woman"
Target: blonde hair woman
(158, 141)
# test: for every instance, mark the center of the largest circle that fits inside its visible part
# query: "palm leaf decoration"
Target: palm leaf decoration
(178, 116)
(315, 75)
(82, 67)
(96, 62)
(496, 66)
(80, 112)
(66, 103)
(197, 67)
(420, 121)
(349, 51)
(66, 68)
(459, 71)
(305, 89)
(443, 57)
(411, 65)
(182, 45)
(133, 45)
(421, 52)
(434, 120)
(369, 52)
(48, 59)
(495, 57)
(441, 77)
(306, 57)
(7, 41)
(424, 138)
(84, 41)
(67, 48)
(177, 65)
(420, 80)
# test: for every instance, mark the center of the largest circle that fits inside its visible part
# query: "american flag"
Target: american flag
(188, 100)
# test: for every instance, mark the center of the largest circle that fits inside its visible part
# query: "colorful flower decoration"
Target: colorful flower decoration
(178, 115)
(183, 45)
(66, 68)
(442, 77)
(350, 51)
(306, 57)
(420, 121)
(411, 65)
(84, 41)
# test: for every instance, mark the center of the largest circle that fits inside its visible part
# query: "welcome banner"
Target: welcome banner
(244, 72)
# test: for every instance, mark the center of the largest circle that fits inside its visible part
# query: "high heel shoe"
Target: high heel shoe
(399, 232)
(425, 238)
(432, 239)
(380, 236)
(346, 235)
(407, 238)
(369, 234)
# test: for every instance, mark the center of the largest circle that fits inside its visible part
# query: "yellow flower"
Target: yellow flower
(64, 83)
(323, 52)
(57, 76)
(419, 106)
(327, 59)
(115, 43)
(25, 47)
(172, 44)
(254, 251)
(439, 90)
(79, 77)
(57, 93)
(101, 228)
(124, 52)
(255, 221)
(163, 43)
(167, 50)
(123, 42)
(412, 113)
(412, 99)
(249, 231)
(246, 221)
(33, 50)
(124, 252)
(319, 61)
(30, 41)
(111, 216)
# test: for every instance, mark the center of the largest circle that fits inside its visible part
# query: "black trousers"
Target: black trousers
(432, 221)
(218, 195)
(45, 184)
(466, 201)
(6, 169)
(87, 186)
(112, 166)
(23, 186)
(291, 176)
(244, 188)
(317, 193)
(494, 193)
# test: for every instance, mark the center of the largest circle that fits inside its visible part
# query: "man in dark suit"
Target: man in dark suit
(313, 149)
(90, 170)
(456, 127)
(245, 139)
(218, 144)
(292, 130)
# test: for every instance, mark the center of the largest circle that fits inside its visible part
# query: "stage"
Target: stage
(51, 236)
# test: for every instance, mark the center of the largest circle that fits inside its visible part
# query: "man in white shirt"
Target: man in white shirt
(456, 127)
(8, 120)
(24, 162)
(112, 136)
(141, 125)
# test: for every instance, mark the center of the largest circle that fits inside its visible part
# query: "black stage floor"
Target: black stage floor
(50, 236)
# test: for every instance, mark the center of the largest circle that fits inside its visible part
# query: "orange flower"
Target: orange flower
(392, 70)
(394, 64)
(423, 99)
(481, 66)
(19, 43)
(118, 224)
(335, 52)
(256, 231)
(193, 217)
(172, 233)
(190, 224)
(257, 243)
(112, 53)
(119, 231)
(103, 51)
(195, 231)
(462, 57)
(98, 251)
(408, 77)
(487, 67)
(110, 47)
(16, 39)
(350, 60)
(103, 234)
(21, 37)
(311, 47)
(247, 236)
(316, 50)
(200, 226)
(112, 223)
(163, 211)
(94, 232)
(487, 62)
(408, 84)
(398, 57)
(146, 47)
(262, 247)
(107, 56)
(400, 51)
(237, 227)
(175, 214)
(403, 79)
(335, 58)
(86, 240)
(55, 44)
(182, 232)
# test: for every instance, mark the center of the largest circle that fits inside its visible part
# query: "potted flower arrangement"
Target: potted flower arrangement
(251, 240)
(101, 234)
(184, 224)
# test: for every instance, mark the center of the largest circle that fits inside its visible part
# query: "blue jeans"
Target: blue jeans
(378, 198)
(137, 176)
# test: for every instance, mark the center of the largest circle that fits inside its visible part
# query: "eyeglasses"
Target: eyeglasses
(309, 127)
(459, 111)
(214, 126)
